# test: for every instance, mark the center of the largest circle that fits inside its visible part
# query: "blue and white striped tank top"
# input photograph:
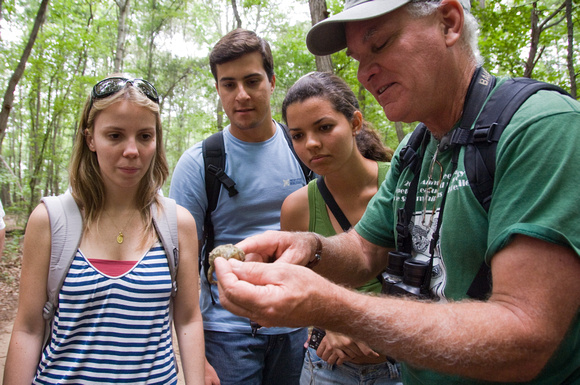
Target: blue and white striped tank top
(112, 329)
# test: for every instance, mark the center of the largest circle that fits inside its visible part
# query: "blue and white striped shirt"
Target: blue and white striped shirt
(112, 329)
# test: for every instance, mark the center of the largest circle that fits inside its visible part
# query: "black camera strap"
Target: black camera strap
(435, 236)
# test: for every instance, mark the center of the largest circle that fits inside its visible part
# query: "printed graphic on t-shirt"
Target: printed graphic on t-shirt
(421, 235)
(293, 182)
(424, 223)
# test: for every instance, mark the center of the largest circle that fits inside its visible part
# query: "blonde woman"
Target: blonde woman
(113, 321)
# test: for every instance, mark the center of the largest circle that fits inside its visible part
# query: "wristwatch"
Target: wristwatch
(317, 253)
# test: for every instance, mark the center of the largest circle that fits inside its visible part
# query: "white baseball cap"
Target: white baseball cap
(328, 36)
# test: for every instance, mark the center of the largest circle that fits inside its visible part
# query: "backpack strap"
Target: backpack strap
(165, 223)
(480, 153)
(66, 226)
(410, 155)
(214, 157)
(480, 150)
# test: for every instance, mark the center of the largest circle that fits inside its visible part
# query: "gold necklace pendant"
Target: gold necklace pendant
(121, 236)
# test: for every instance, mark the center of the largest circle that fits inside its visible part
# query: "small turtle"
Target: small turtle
(225, 251)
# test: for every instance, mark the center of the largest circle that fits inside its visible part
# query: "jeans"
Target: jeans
(239, 358)
(317, 371)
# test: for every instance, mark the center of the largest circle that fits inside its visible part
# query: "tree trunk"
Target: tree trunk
(399, 130)
(536, 30)
(19, 71)
(534, 41)
(153, 32)
(122, 29)
(570, 57)
(220, 115)
(236, 14)
(319, 12)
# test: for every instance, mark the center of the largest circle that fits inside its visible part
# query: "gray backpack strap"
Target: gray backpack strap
(66, 226)
(165, 222)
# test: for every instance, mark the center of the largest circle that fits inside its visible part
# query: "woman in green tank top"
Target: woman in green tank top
(331, 137)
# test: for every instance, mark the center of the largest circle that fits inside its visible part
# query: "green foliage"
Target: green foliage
(506, 32)
(250, 3)
(12, 252)
(11, 257)
(500, 23)
(292, 60)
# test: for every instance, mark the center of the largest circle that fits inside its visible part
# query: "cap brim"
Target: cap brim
(328, 36)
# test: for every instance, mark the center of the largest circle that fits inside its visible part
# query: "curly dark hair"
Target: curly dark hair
(330, 87)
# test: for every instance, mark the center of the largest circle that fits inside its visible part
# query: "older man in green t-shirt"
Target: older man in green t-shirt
(419, 60)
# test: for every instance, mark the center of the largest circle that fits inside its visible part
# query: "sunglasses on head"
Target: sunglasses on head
(110, 86)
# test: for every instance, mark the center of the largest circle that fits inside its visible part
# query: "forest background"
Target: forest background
(53, 52)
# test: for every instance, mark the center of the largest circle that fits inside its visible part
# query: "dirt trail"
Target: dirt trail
(9, 281)
(5, 331)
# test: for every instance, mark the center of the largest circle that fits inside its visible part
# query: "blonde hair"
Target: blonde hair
(85, 174)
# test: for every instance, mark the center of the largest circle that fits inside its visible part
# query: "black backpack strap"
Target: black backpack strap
(332, 205)
(410, 154)
(335, 209)
(480, 153)
(214, 157)
(308, 173)
(481, 285)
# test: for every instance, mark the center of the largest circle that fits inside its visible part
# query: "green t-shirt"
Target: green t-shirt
(320, 221)
(535, 191)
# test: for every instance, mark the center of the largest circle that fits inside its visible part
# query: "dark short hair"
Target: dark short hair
(238, 43)
(330, 87)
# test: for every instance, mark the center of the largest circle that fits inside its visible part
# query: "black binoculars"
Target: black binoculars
(406, 276)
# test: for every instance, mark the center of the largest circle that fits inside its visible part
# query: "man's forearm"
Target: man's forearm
(509, 337)
(350, 260)
(479, 340)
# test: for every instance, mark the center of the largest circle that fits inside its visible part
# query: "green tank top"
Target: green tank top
(320, 220)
